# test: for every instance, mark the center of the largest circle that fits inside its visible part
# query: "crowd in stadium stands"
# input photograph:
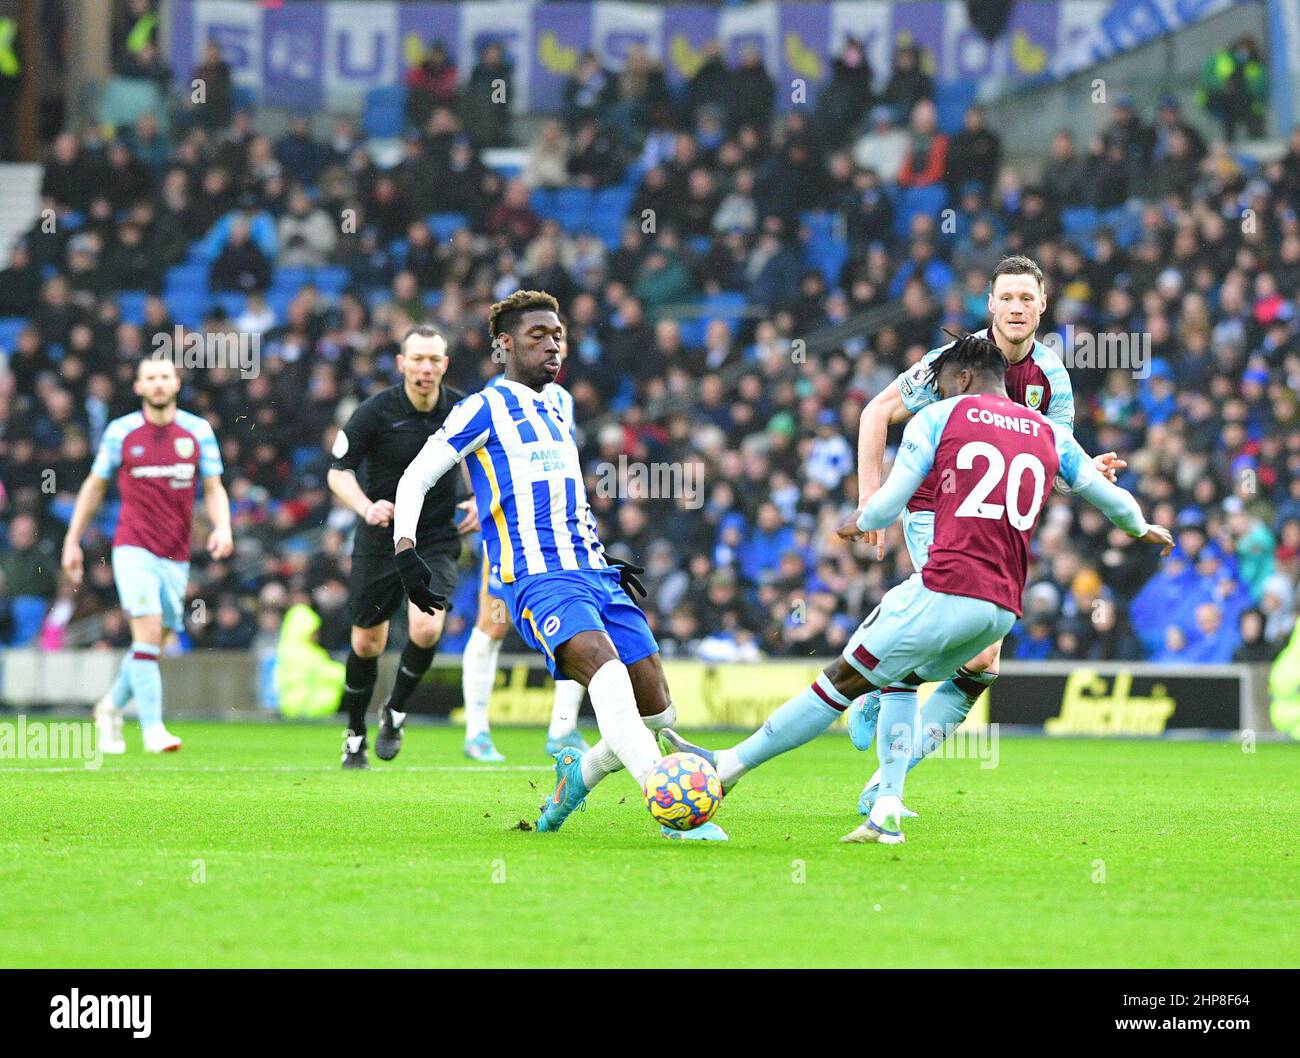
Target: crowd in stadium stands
(634, 205)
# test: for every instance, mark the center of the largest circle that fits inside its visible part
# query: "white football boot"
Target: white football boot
(158, 739)
(884, 825)
(108, 723)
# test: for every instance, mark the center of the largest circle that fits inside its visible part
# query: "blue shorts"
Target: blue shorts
(916, 634)
(918, 534)
(549, 609)
(491, 583)
(148, 584)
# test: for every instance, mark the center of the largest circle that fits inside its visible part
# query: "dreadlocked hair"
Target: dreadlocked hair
(973, 353)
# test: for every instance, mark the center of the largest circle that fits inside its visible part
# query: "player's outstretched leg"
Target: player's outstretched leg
(478, 674)
(897, 725)
(800, 720)
(108, 711)
(563, 731)
(941, 715)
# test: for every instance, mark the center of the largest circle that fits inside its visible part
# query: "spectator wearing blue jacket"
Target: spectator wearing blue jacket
(767, 540)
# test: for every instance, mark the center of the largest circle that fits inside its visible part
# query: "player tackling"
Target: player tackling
(1001, 459)
(1035, 378)
(157, 455)
(567, 600)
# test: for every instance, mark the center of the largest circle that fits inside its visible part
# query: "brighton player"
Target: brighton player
(1001, 459)
(380, 439)
(479, 666)
(1036, 378)
(568, 601)
(157, 454)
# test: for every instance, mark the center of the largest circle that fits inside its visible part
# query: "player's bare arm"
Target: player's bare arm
(216, 502)
(885, 409)
(89, 497)
(344, 485)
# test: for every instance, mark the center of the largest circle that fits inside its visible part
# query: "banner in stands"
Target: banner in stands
(1114, 698)
(312, 55)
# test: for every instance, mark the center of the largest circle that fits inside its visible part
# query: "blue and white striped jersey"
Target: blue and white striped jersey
(552, 391)
(527, 479)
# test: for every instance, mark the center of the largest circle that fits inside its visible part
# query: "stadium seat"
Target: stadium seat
(242, 97)
(1079, 222)
(10, 328)
(384, 113)
(231, 303)
(290, 279)
(827, 254)
(615, 201)
(445, 225)
(131, 303)
(332, 280)
(952, 99)
(27, 612)
(189, 278)
(911, 201)
(188, 309)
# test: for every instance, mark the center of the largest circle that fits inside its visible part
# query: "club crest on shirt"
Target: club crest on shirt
(137, 450)
(1033, 397)
(184, 447)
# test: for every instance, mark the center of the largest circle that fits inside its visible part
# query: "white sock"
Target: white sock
(659, 721)
(620, 724)
(729, 766)
(478, 673)
(598, 762)
(564, 713)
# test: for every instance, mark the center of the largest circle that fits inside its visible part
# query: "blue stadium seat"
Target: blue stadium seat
(911, 201)
(131, 303)
(445, 225)
(10, 328)
(384, 113)
(1079, 222)
(188, 309)
(615, 200)
(27, 611)
(952, 99)
(432, 299)
(397, 252)
(290, 279)
(191, 278)
(827, 255)
(278, 302)
(1125, 223)
(332, 280)
(819, 222)
(692, 328)
(232, 304)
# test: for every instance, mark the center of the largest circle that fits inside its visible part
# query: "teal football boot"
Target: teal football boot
(704, 832)
(573, 740)
(569, 793)
(481, 749)
(863, 715)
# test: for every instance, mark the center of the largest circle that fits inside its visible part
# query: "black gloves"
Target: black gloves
(415, 581)
(627, 577)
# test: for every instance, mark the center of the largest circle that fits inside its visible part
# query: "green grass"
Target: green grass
(416, 863)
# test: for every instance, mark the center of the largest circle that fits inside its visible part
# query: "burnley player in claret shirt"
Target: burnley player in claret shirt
(1002, 460)
(157, 454)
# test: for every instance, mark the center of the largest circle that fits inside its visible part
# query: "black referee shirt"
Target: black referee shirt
(386, 433)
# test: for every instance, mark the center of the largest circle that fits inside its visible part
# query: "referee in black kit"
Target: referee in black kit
(385, 433)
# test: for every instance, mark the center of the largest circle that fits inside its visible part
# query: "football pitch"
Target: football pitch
(251, 848)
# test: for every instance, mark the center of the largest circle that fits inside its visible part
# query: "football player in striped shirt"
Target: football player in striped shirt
(157, 455)
(567, 599)
(479, 665)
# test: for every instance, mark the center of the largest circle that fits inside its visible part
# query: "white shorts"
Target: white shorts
(148, 584)
(917, 635)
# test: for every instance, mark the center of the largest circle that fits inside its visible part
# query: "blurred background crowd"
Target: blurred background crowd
(737, 284)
